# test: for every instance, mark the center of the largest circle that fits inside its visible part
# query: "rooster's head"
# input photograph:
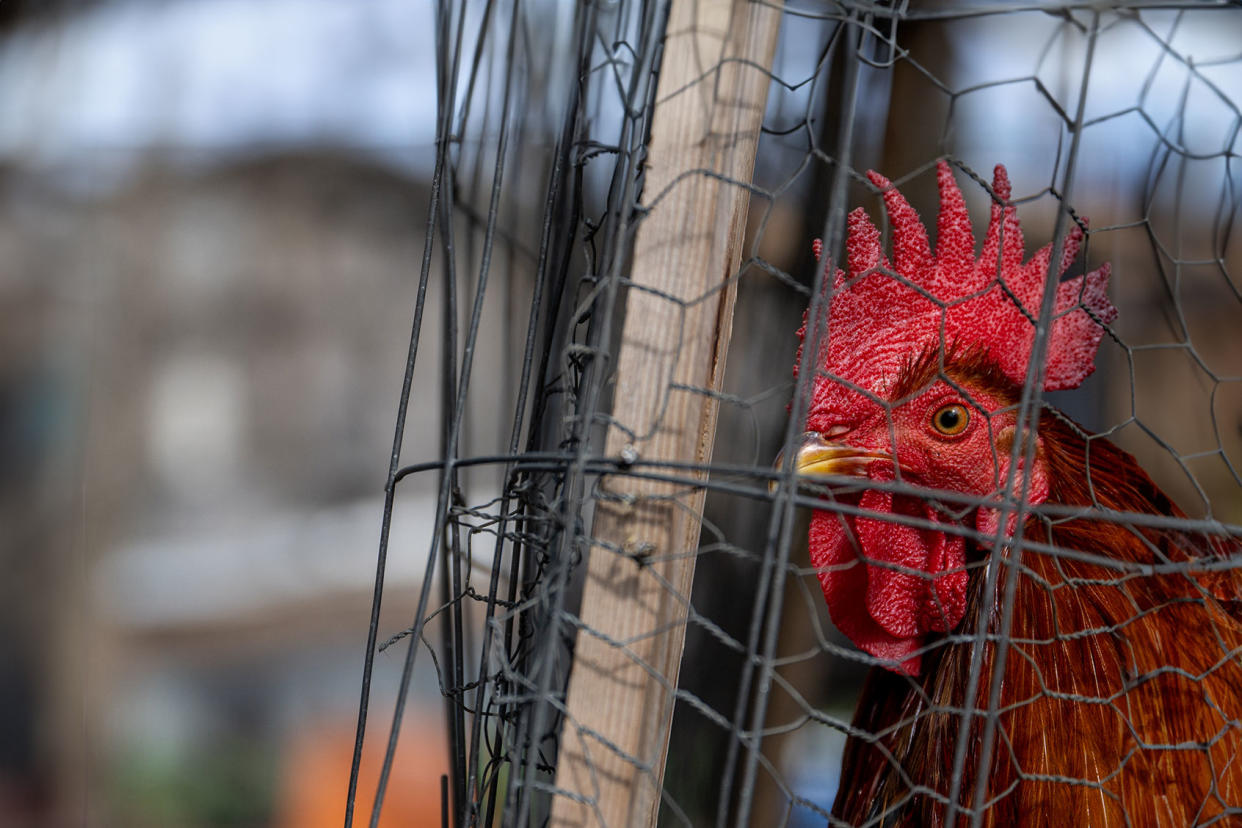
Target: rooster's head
(916, 384)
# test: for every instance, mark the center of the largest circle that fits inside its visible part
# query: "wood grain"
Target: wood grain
(710, 102)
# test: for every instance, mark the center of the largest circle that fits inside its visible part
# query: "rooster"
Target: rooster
(1117, 676)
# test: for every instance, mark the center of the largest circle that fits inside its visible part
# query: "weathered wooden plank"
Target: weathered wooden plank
(710, 102)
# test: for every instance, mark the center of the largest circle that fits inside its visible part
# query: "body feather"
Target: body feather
(1122, 691)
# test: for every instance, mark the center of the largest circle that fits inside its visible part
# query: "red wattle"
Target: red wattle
(843, 578)
(890, 552)
(909, 581)
(946, 599)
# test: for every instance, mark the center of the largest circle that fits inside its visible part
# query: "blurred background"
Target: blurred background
(212, 223)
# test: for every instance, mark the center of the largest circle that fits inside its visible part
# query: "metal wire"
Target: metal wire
(544, 113)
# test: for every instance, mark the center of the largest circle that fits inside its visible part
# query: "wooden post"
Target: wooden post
(710, 103)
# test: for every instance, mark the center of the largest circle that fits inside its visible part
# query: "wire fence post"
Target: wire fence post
(710, 103)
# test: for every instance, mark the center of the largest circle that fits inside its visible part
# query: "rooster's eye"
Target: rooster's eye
(951, 420)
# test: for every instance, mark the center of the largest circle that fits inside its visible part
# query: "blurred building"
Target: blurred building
(205, 303)
(227, 346)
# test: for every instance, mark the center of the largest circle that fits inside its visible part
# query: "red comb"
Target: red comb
(878, 322)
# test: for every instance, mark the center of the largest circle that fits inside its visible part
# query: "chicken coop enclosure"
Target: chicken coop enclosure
(620, 609)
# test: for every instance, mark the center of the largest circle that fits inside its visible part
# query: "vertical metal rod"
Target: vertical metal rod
(782, 524)
(450, 570)
(444, 806)
(639, 101)
(442, 503)
(444, 26)
(557, 184)
(742, 703)
(1022, 455)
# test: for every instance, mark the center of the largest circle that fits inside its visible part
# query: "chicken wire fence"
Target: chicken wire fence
(606, 482)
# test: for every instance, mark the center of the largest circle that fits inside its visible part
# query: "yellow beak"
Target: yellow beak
(817, 456)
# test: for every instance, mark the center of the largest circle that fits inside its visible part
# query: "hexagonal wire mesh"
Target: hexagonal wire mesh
(1092, 669)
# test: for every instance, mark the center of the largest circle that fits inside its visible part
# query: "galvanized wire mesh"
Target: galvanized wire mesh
(1128, 112)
